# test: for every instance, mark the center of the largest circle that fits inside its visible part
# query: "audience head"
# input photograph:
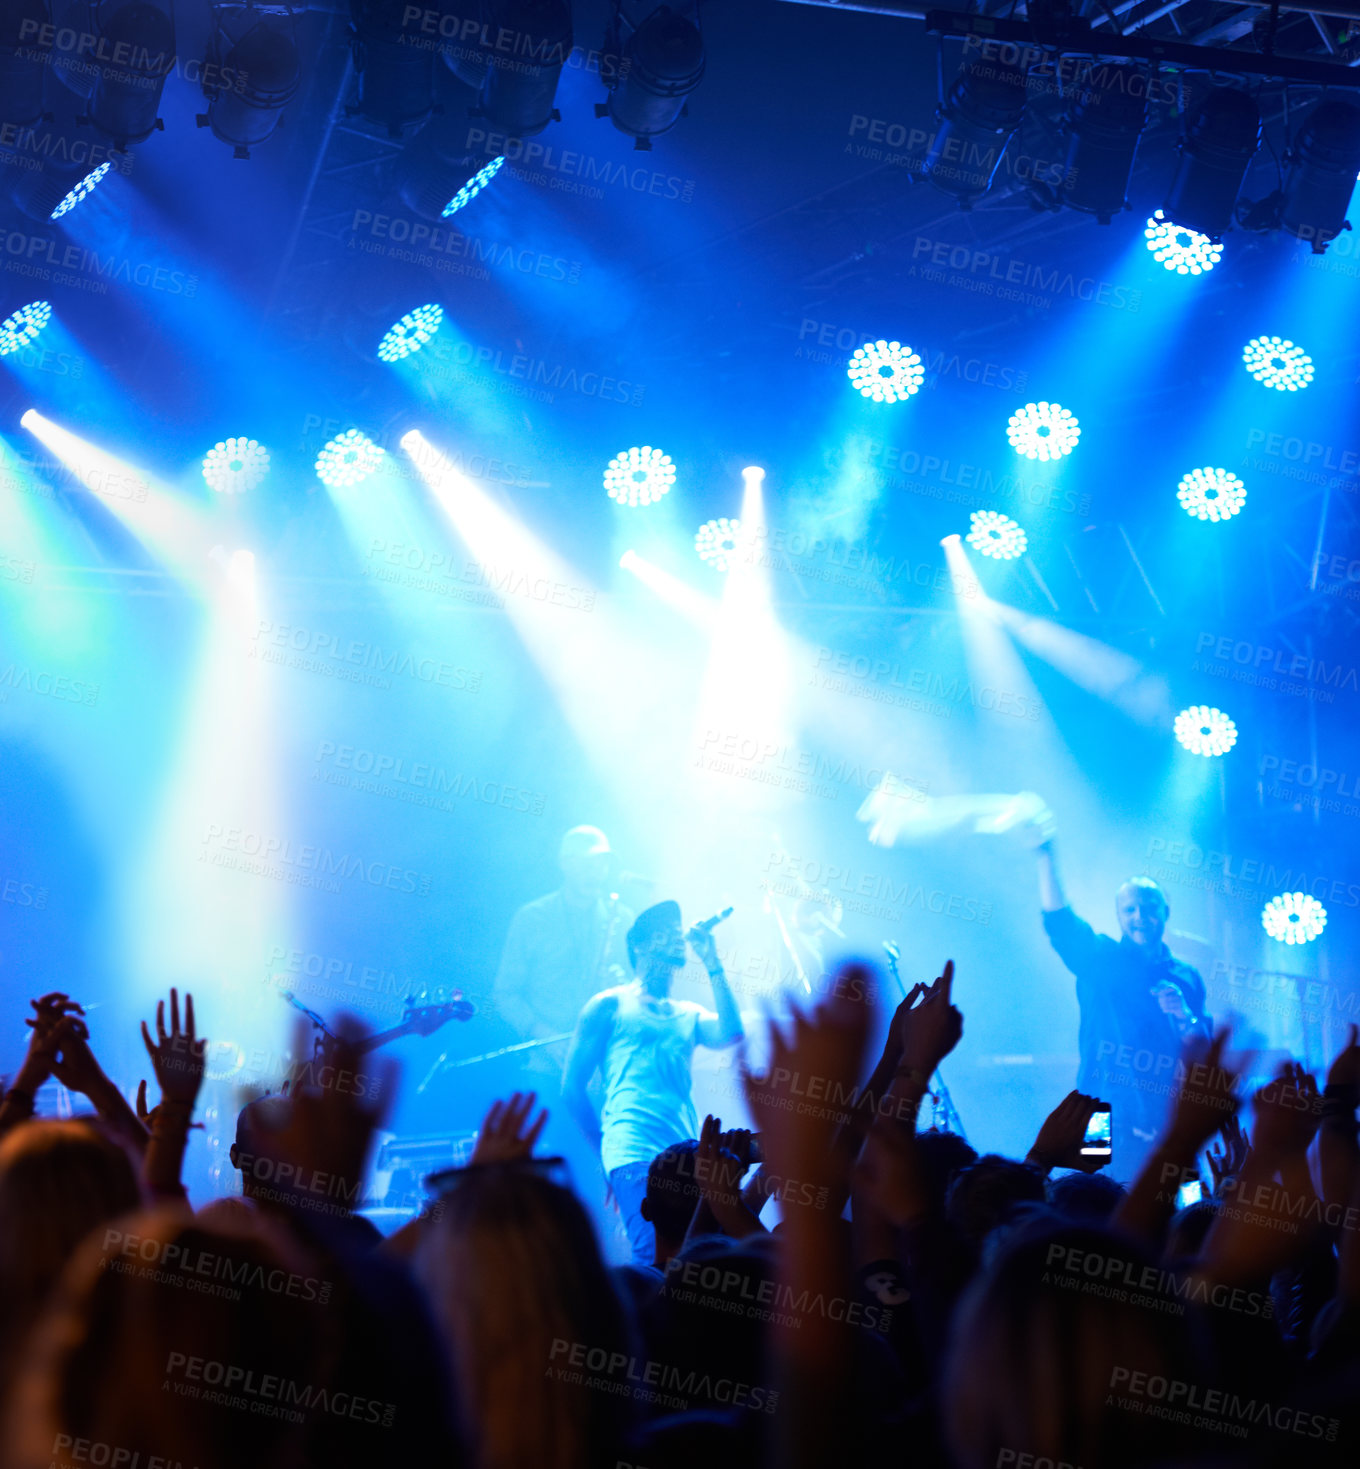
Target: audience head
(255, 1152)
(672, 1196)
(1085, 1198)
(1039, 1357)
(987, 1193)
(58, 1181)
(515, 1276)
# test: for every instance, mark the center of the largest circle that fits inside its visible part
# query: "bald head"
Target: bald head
(1142, 910)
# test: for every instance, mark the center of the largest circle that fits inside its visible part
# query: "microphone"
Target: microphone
(891, 950)
(707, 925)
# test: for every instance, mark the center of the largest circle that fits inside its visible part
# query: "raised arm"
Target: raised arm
(725, 1028)
(1052, 898)
(584, 1057)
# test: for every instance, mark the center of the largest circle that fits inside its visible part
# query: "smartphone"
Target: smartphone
(1189, 1193)
(1096, 1143)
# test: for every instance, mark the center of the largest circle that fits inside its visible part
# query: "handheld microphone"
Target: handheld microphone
(891, 950)
(707, 925)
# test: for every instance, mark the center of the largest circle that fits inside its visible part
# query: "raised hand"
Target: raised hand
(1062, 1134)
(1206, 1094)
(503, 1138)
(178, 1058)
(718, 1172)
(1287, 1113)
(933, 1028)
(1228, 1157)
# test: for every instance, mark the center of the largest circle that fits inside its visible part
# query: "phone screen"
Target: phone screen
(1189, 1193)
(1097, 1143)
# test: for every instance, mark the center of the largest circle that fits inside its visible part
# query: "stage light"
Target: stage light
(235, 465)
(1277, 363)
(474, 186)
(1184, 251)
(976, 120)
(396, 79)
(1294, 918)
(1211, 494)
(259, 53)
(629, 559)
(411, 333)
(1222, 136)
(1323, 162)
(887, 372)
(719, 542)
(521, 80)
(348, 459)
(661, 63)
(639, 476)
(125, 91)
(1043, 431)
(996, 535)
(26, 42)
(85, 187)
(1104, 125)
(22, 326)
(1205, 731)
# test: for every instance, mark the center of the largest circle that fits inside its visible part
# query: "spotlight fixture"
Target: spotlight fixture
(1205, 731)
(396, 79)
(985, 104)
(26, 41)
(235, 465)
(85, 187)
(123, 72)
(996, 535)
(348, 459)
(1222, 135)
(1278, 363)
(22, 326)
(439, 177)
(656, 67)
(260, 54)
(1211, 494)
(1184, 251)
(719, 542)
(1043, 431)
(521, 78)
(886, 372)
(639, 476)
(1103, 126)
(411, 333)
(1293, 918)
(1324, 160)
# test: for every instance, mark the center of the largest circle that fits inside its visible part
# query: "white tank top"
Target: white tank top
(648, 1103)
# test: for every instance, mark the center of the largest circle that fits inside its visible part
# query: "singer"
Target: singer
(642, 1042)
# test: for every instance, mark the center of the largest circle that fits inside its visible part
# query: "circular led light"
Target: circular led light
(1294, 918)
(235, 465)
(1278, 364)
(85, 186)
(886, 372)
(1043, 431)
(996, 535)
(1211, 494)
(22, 326)
(1205, 731)
(639, 476)
(1183, 251)
(349, 458)
(473, 187)
(410, 333)
(719, 542)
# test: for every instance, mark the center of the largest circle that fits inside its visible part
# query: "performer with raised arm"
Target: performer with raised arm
(1138, 1002)
(642, 1043)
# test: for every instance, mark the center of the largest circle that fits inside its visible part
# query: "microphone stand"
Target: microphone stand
(943, 1109)
(443, 1064)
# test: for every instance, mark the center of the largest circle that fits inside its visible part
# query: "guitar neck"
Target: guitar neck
(372, 1042)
